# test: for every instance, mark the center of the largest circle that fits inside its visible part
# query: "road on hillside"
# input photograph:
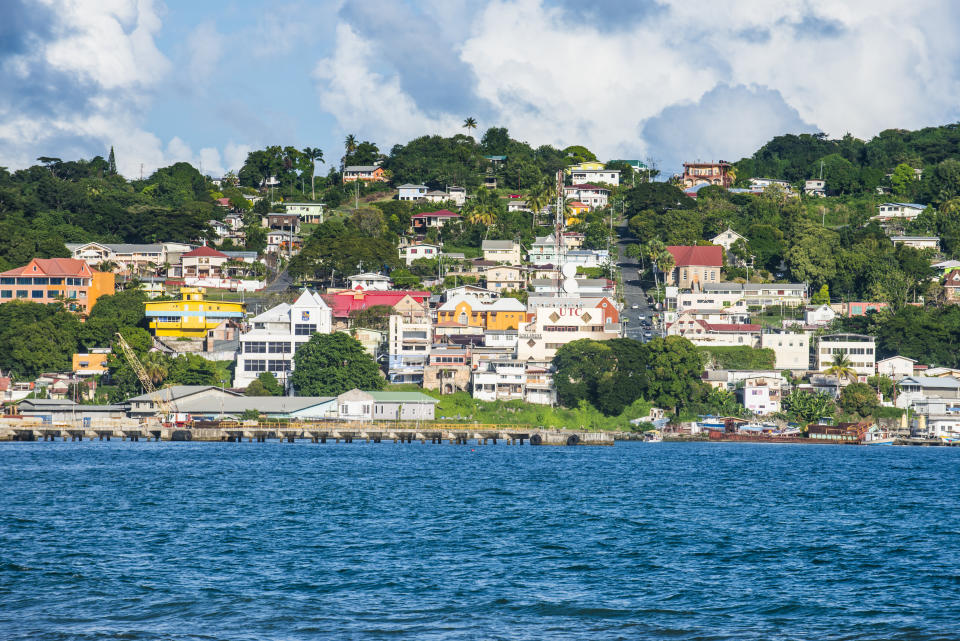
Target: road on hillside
(633, 294)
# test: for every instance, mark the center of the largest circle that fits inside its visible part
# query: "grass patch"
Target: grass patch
(463, 407)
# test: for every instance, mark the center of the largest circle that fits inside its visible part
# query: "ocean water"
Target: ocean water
(179, 541)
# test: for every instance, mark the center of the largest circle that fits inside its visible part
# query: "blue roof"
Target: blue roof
(914, 205)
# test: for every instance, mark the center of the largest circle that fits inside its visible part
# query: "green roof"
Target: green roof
(402, 397)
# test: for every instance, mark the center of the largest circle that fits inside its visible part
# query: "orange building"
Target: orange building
(51, 280)
(364, 173)
(467, 311)
(713, 173)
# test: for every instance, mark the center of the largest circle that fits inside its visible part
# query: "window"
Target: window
(278, 366)
(255, 366)
(278, 348)
(52, 293)
(24, 281)
(255, 347)
(36, 293)
(41, 281)
(6, 293)
(168, 319)
(304, 329)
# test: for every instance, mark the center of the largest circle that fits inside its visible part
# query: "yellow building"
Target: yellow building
(588, 165)
(577, 210)
(468, 311)
(92, 363)
(191, 316)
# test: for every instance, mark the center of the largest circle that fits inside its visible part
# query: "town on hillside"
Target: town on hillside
(808, 291)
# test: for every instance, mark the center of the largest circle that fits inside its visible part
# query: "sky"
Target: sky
(206, 82)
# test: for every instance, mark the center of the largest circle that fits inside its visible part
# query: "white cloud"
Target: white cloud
(85, 86)
(555, 77)
(204, 50)
(367, 102)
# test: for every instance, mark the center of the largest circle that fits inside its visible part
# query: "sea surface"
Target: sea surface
(266, 541)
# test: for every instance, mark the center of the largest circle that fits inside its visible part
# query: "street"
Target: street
(633, 294)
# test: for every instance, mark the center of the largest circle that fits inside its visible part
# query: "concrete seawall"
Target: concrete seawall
(347, 432)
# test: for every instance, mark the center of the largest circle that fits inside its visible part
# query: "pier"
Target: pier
(318, 432)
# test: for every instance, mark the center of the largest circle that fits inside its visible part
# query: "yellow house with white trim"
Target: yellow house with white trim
(191, 316)
(588, 165)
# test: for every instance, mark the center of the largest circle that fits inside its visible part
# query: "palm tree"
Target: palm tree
(156, 366)
(842, 368)
(483, 210)
(653, 249)
(540, 196)
(313, 154)
(469, 124)
(349, 146)
(665, 264)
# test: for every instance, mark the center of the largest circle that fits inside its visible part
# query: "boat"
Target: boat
(947, 440)
(653, 436)
(876, 436)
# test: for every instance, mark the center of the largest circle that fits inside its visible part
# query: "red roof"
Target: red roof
(204, 250)
(443, 213)
(223, 202)
(343, 303)
(51, 267)
(699, 255)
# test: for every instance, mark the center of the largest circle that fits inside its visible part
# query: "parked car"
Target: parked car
(634, 307)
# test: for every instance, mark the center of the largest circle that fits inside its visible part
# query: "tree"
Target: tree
(822, 297)
(675, 366)
(859, 399)
(330, 364)
(266, 384)
(883, 384)
(580, 365)
(111, 163)
(314, 154)
(470, 124)
(842, 368)
(904, 181)
(806, 408)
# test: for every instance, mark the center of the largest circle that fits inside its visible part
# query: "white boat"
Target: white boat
(876, 436)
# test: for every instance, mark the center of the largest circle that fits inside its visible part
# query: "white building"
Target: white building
(700, 332)
(898, 211)
(559, 321)
(792, 350)
(130, 258)
(762, 295)
(502, 251)
(307, 212)
(727, 238)
(761, 394)
(859, 349)
(762, 183)
(275, 336)
(594, 196)
(408, 348)
(411, 192)
(587, 176)
(816, 188)
(412, 252)
(819, 316)
(918, 242)
(500, 380)
(925, 392)
(370, 282)
(896, 367)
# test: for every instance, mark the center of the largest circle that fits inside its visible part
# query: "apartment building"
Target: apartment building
(792, 350)
(565, 320)
(408, 348)
(448, 368)
(858, 348)
(276, 334)
(49, 280)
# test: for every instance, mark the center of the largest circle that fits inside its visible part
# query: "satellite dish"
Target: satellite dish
(570, 285)
(569, 270)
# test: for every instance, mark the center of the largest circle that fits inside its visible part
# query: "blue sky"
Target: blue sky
(653, 79)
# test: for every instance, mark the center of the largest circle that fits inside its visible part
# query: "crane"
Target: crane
(156, 397)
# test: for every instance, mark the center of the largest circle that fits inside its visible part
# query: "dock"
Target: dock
(319, 432)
